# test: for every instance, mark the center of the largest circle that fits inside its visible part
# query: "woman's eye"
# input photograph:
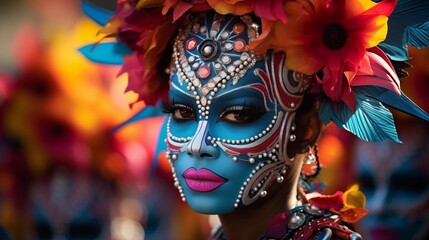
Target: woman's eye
(240, 114)
(183, 112)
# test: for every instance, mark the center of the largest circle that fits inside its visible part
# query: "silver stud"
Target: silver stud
(313, 210)
(355, 236)
(296, 220)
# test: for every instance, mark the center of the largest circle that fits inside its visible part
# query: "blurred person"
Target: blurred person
(62, 171)
(394, 178)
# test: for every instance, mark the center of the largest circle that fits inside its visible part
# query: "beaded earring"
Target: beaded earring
(311, 159)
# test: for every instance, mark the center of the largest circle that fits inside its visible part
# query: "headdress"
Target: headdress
(339, 43)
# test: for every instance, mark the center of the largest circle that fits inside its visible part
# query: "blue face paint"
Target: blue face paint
(230, 115)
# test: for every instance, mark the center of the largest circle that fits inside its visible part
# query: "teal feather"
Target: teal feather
(150, 112)
(418, 35)
(370, 121)
(392, 99)
(111, 53)
(407, 13)
(147, 112)
(97, 14)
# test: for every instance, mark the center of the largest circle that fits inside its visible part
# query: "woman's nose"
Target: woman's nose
(198, 146)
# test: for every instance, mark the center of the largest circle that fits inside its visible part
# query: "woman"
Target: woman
(247, 85)
(393, 177)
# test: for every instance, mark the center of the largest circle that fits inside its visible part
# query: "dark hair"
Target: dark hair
(307, 114)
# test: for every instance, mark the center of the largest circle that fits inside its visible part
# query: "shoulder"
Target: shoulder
(308, 222)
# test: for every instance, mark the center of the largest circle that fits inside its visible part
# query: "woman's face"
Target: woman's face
(394, 179)
(227, 130)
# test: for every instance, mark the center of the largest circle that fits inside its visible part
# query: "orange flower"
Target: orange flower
(328, 35)
(236, 7)
(350, 205)
(181, 7)
(354, 205)
(143, 77)
(149, 3)
(353, 198)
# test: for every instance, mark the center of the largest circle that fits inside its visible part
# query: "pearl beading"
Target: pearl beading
(259, 180)
(169, 156)
(216, 141)
(188, 68)
(174, 138)
(193, 72)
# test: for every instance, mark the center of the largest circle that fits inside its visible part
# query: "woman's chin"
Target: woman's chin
(204, 205)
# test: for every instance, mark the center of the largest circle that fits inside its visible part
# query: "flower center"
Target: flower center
(334, 36)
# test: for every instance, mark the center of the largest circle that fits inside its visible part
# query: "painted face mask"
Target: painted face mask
(394, 179)
(230, 114)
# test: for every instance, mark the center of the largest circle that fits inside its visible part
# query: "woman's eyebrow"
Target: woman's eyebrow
(248, 90)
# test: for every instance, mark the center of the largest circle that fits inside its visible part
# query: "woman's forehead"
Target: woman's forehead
(212, 53)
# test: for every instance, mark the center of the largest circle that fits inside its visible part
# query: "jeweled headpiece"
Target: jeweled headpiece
(333, 41)
(207, 57)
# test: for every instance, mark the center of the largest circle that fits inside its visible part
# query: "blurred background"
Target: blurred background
(65, 175)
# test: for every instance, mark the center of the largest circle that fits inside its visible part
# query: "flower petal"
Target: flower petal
(334, 201)
(269, 9)
(149, 3)
(168, 4)
(180, 9)
(353, 198)
(383, 74)
(353, 215)
(236, 7)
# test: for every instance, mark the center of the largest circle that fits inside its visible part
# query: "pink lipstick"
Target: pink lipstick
(202, 180)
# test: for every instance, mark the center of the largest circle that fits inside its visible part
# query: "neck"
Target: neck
(251, 221)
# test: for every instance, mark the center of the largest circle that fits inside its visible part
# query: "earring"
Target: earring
(280, 174)
(310, 158)
(292, 137)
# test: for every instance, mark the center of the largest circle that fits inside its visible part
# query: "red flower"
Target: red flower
(350, 205)
(334, 201)
(328, 35)
(181, 7)
(146, 31)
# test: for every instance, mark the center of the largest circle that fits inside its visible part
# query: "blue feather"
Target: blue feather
(371, 121)
(97, 14)
(418, 35)
(407, 13)
(106, 53)
(147, 112)
(398, 102)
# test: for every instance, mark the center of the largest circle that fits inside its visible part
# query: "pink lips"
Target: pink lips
(202, 180)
